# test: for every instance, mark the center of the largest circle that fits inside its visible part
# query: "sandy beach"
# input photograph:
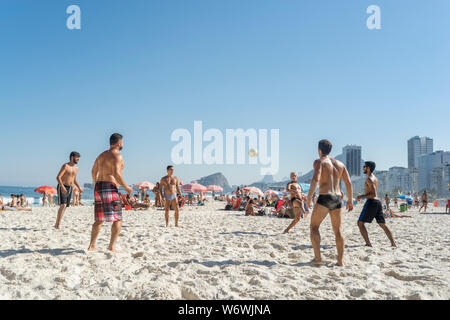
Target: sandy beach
(219, 255)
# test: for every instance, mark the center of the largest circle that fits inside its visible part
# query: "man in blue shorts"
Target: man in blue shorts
(372, 208)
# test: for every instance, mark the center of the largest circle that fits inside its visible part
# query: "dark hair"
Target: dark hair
(168, 167)
(115, 137)
(370, 165)
(325, 146)
(74, 154)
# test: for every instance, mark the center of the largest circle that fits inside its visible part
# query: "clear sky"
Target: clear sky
(147, 67)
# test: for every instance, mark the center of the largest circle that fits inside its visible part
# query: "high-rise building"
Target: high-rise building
(414, 179)
(352, 159)
(427, 162)
(398, 178)
(416, 147)
(440, 181)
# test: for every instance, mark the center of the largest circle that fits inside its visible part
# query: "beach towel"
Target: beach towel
(108, 205)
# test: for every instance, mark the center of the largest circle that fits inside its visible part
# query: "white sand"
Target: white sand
(219, 255)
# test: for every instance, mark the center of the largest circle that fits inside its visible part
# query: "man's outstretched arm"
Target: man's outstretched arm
(349, 188)
(59, 178)
(94, 171)
(118, 175)
(314, 181)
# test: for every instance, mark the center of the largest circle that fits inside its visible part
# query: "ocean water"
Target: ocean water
(35, 199)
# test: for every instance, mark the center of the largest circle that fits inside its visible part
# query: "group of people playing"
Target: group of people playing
(410, 201)
(328, 173)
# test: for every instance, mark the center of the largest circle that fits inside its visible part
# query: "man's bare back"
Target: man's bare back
(331, 171)
(107, 165)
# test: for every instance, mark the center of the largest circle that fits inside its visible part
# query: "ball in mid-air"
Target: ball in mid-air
(253, 153)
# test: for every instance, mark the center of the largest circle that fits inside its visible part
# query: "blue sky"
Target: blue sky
(145, 68)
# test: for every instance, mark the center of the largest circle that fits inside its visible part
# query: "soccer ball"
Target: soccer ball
(253, 153)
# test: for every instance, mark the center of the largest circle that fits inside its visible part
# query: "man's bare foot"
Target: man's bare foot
(340, 263)
(317, 262)
(394, 245)
(56, 227)
(113, 250)
(368, 245)
(286, 231)
(92, 248)
(177, 226)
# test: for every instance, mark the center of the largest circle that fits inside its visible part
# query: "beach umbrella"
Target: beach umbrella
(214, 188)
(194, 187)
(253, 190)
(144, 185)
(46, 190)
(271, 192)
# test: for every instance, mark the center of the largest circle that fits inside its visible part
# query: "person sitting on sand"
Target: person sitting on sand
(180, 200)
(394, 215)
(249, 211)
(23, 201)
(147, 199)
(132, 200)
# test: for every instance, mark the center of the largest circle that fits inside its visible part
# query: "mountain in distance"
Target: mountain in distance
(217, 179)
(267, 179)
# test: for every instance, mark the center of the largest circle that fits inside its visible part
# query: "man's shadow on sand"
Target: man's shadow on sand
(239, 233)
(211, 264)
(53, 252)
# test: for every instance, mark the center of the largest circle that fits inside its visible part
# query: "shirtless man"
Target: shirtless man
(66, 178)
(171, 186)
(424, 201)
(107, 177)
(297, 198)
(387, 201)
(327, 173)
(372, 208)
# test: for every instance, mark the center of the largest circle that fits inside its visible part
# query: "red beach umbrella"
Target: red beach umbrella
(46, 190)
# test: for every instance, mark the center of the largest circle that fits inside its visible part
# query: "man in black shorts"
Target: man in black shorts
(328, 172)
(372, 208)
(67, 177)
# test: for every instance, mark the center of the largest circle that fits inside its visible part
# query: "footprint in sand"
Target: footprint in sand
(404, 277)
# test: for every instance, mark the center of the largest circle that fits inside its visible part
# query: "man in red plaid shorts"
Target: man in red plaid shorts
(107, 176)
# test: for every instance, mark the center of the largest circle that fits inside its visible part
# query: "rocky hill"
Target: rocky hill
(217, 179)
